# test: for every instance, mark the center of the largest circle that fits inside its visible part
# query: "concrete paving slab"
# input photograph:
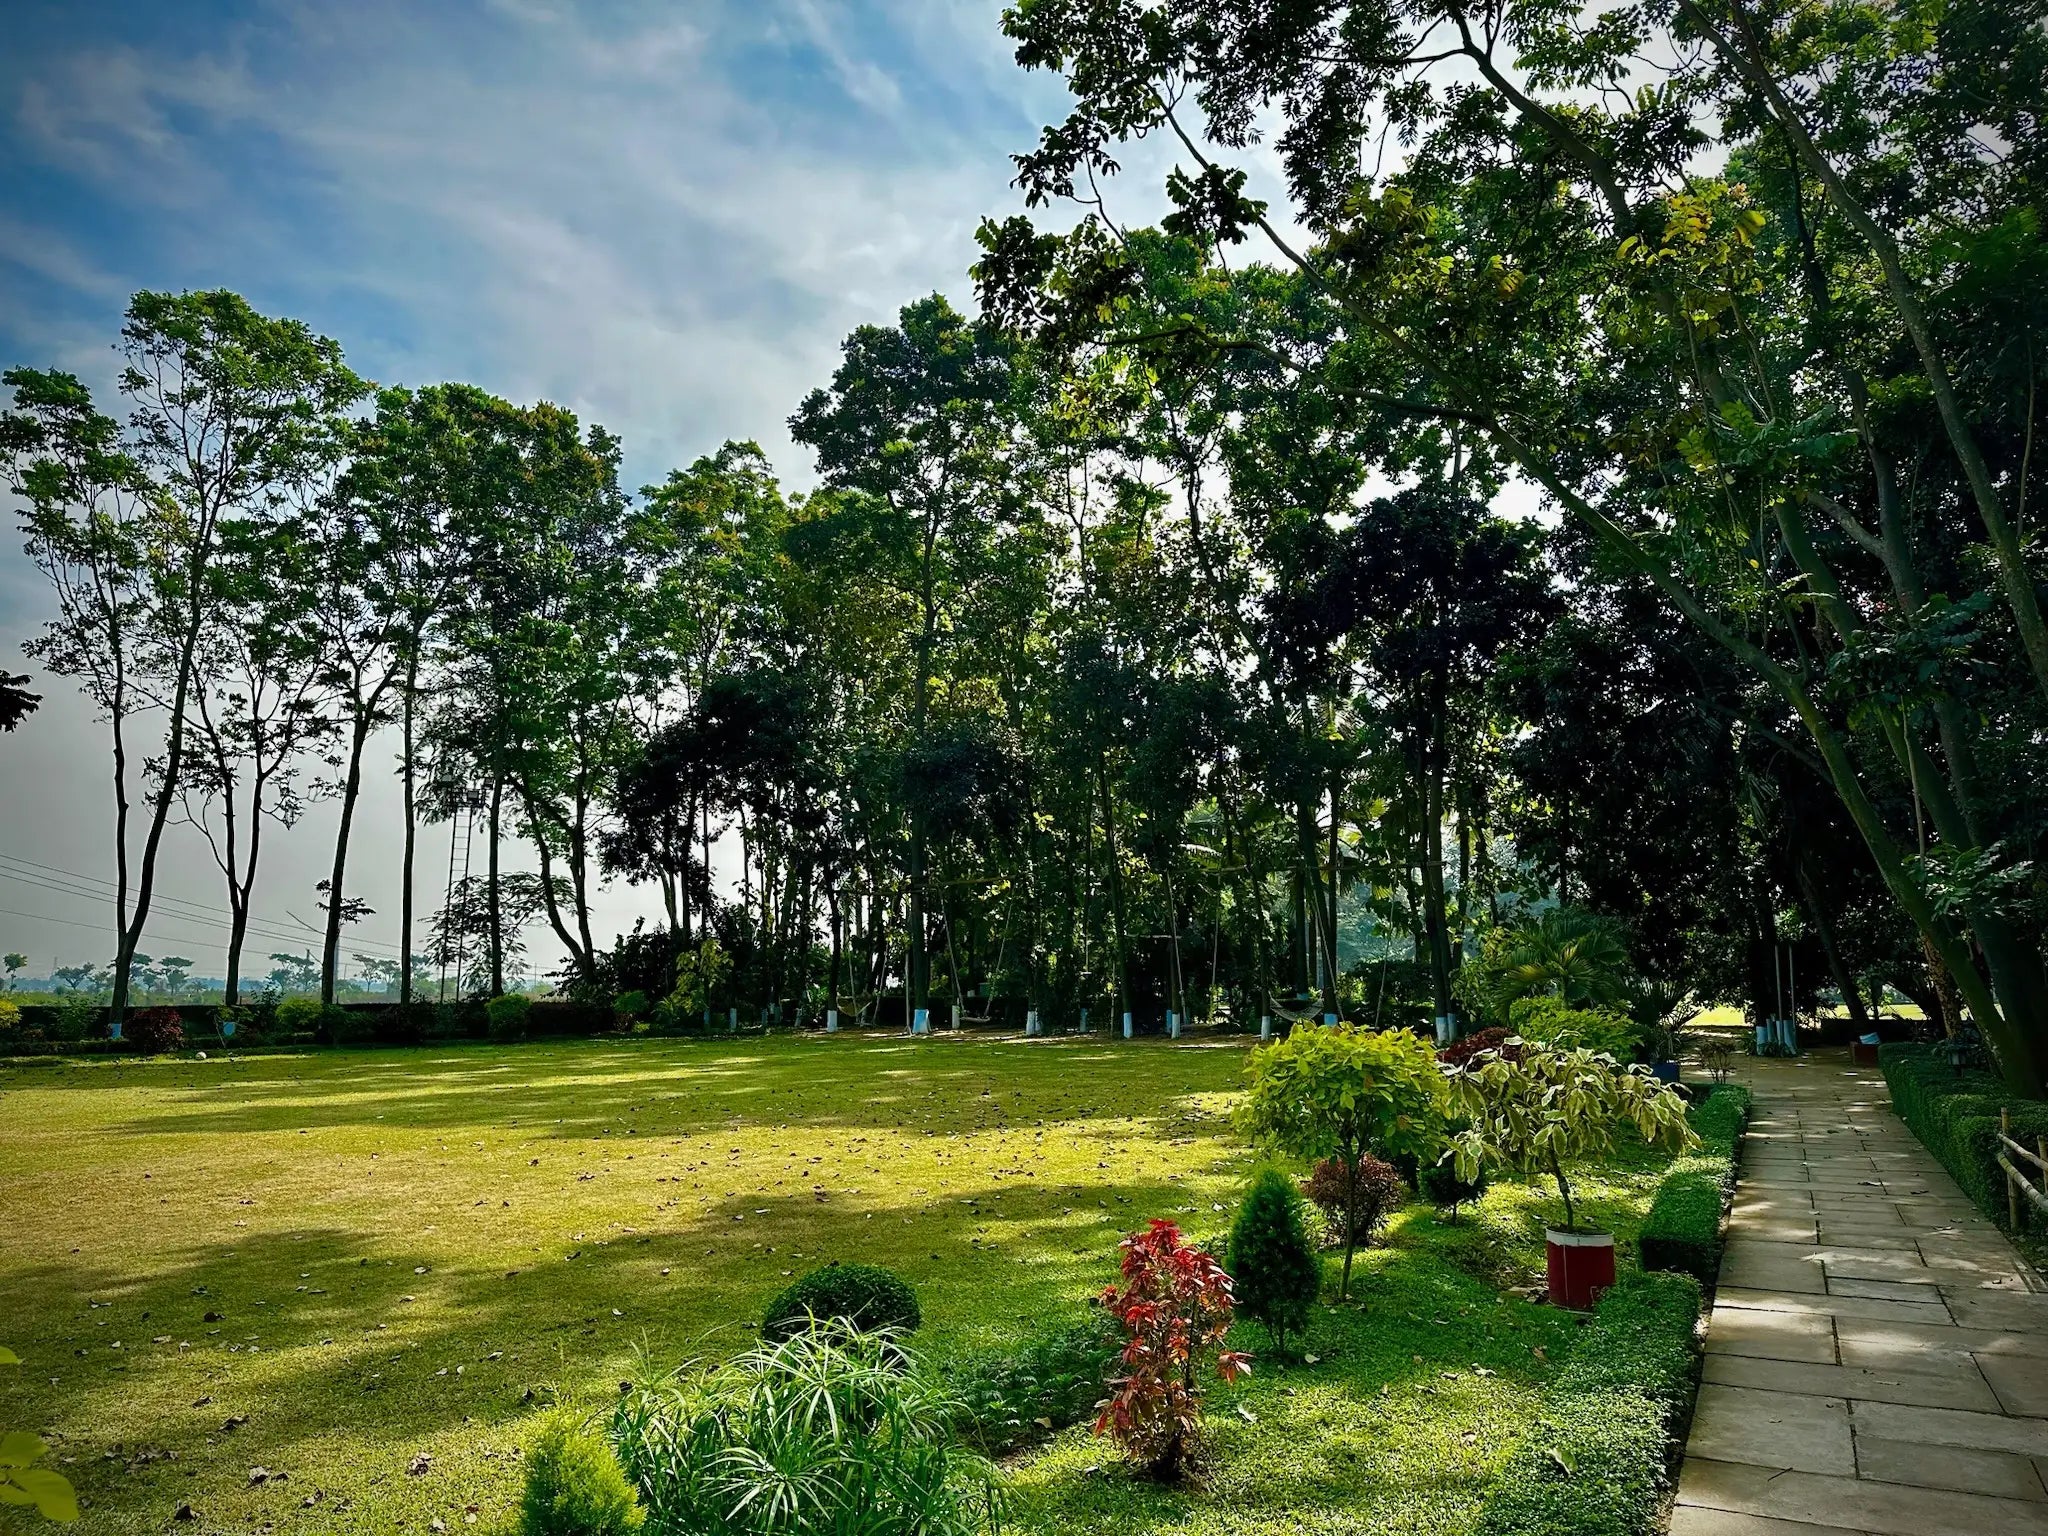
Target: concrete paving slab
(1890, 1509)
(1772, 1335)
(1950, 1426)
(1945, 1389)
(1925, 1334)
(1773, 1429)
(1998, 1473)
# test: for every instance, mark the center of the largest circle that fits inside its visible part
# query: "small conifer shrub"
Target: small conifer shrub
(1274, 1268)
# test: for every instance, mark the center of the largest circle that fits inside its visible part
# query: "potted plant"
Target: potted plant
(1667, 1012)
(1548, 1110)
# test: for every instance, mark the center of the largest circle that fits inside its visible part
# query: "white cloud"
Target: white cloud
(667, 223)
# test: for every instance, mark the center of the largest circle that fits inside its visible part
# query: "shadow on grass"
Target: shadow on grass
(345, 1359)
(660, 1087)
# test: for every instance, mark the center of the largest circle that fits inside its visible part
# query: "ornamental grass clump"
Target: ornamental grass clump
(1342, 1092)
(827, 1433)
(1554, 1109)
(1275, 1272)
(1174, 1307)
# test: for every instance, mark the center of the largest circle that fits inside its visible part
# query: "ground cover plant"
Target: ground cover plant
(1596, 1463)
(828, 1432)
(382, 1261)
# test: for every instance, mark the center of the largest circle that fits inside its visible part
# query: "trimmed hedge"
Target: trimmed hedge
(1956, 1118)
(1682, 1231)
(1599, 1459)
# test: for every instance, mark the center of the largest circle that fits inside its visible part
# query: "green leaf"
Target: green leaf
(53, 1496)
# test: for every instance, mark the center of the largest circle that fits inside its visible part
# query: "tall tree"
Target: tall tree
(1602, 296)
(255, 708)
(232, 415)
(915, 417)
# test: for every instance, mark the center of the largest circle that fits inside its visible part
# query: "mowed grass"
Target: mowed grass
(410, 1253)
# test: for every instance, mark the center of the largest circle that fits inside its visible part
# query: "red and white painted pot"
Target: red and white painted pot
(1581, 1267)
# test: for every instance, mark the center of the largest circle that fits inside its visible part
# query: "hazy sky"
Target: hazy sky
(662, 215)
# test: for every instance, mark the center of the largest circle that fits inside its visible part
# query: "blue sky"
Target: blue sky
(665, 216)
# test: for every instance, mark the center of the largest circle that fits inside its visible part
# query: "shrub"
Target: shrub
(463, 1020)
(1047, 1382)
(508, 1015)
(1597, 1462)
(1344, 1092)
(299, 1016)
(1378, 1192)
(1174, 1308)
(10, 1016)
(1682, 1231)
(154, 1031)
(827, 1431)
(1955, 1115)
(630, 1005)
(1717, 1056)
(1275, 1272)
(1549, 1020)
(402, 1024)
(864, 1297)
(75, 1020)
(575, 1485)
(1465, 1047)
(1446, 1190)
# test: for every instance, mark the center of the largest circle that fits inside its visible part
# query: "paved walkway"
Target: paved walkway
(1877, 1356)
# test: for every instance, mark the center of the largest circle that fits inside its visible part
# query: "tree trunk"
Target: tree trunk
(494, 904)
(1122, 999)
(174, 755)
(409, 768)
(1350, 1220)
(330, 963)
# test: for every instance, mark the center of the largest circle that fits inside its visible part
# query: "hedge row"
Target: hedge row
(1599, 1459)
(43, 1027)
(1956, 1118)
(1682, 1232)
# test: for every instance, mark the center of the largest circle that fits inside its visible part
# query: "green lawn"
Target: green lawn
(409, 1252)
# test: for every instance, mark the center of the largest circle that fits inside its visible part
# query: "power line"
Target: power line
(100, 928)
(195, 911)
(254, 928)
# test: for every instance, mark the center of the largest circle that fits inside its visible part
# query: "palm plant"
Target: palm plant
(1572, 955)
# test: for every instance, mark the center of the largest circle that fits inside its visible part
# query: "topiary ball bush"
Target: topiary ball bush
(865, 1297)
(508, 1015)
(1442, 1187)
(154, 1031)
(1275, 1272)
(575, 1485)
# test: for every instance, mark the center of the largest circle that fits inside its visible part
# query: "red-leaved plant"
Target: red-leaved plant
(1174, 1308)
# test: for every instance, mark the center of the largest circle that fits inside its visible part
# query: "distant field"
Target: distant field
(1729, 1016)
(401, 1246)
